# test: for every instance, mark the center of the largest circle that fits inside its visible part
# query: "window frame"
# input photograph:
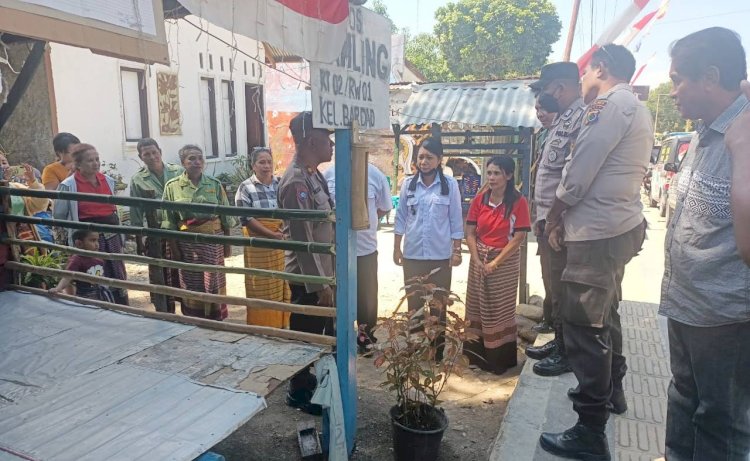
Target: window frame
(142, 100)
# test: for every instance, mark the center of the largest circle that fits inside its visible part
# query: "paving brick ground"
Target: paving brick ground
(541, 404)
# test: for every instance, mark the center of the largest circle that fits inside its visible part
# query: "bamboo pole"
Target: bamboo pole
(204, 208)
(299, 278)
(199, 322)
(571, 30)
(287, 245)
(251, 303)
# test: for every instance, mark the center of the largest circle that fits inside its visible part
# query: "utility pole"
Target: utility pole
(571, 30)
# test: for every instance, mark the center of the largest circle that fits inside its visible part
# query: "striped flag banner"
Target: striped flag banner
(311, 29)
(644, 25)
(613, 31)
(640, 69)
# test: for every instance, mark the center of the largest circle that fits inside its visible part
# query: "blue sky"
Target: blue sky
(683, 17)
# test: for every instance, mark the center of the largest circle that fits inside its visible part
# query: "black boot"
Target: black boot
(617, 403)
(578, 442)
(554, 365)
(541, 352)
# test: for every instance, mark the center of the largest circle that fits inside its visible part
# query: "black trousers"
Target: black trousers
(708, 411)
(418, 267)
(367, 292)
(442, 278)
(310, 324)
(553, 265)
(592, 290)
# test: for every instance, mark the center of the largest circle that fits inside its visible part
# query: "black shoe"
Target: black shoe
(578, 442)
(543, 327)
(541, 352)
(617, 403)
(554, 365)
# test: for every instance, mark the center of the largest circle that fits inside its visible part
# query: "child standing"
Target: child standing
(85, 240)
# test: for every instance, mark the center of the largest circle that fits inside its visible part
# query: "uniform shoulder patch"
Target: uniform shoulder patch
(302, 193)
(594, 109)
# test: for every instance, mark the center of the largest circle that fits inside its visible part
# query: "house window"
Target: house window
(208, 117)
(229, 119)
(134, 104)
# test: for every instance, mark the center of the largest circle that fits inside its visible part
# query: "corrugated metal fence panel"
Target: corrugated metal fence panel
(500, 103)
(82, 383)
(430, 103)
(43, 341)
(122, 412)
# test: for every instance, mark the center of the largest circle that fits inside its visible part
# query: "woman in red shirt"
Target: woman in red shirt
(87, 179)
(495, 228)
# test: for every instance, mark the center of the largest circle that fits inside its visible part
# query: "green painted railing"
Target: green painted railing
(278, 213)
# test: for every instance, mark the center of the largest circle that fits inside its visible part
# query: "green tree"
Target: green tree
(664, 111)
(379, 7)
(424, 52)
(490, 39)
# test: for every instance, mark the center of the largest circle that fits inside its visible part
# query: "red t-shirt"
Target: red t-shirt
(88, 210)
(493, 228)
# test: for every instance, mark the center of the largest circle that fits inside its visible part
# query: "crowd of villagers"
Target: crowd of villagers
(430, 230)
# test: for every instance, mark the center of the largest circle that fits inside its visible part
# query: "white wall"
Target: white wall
(89, 98)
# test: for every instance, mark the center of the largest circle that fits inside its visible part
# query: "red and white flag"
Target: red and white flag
(644, 25)
(640, 69)
(312, 29)
(613, 31)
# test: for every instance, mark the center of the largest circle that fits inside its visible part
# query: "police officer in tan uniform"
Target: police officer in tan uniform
(560, 86)
(302, 187)
(602, 228)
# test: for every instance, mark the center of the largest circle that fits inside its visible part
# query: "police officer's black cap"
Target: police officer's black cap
(302, 125)
(556, 71)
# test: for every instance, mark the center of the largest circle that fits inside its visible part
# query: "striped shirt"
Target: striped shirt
(254, 194)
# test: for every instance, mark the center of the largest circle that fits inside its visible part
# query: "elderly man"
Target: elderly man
(705, 289)
(149, 182)
(378, 205)
(603, 230)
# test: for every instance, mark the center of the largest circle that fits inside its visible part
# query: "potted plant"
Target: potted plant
(414, 370)
(52, 260)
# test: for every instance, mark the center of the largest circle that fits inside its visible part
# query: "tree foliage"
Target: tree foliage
(379, 7)
(495, 39)
(424, 52)
(666, 117)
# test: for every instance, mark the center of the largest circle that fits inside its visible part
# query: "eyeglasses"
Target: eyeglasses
(257, 149)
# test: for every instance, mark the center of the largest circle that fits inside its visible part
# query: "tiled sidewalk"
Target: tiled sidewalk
(541, 404)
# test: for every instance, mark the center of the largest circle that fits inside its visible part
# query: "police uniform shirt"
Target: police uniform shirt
(601, 180)
(303, 188)
(560, 140)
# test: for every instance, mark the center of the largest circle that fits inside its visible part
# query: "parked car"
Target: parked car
(673, 149)
(647, 179)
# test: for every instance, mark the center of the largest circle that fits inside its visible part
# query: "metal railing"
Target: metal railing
(150, 206)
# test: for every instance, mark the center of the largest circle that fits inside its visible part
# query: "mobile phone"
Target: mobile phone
(16, 171)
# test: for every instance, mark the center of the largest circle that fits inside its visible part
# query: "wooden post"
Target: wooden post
(153, 247)
(396, 158)
(346, 287)
(571, 30)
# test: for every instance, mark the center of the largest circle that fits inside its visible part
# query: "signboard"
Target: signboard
(641, 91)
(355, 86)
(132, 29)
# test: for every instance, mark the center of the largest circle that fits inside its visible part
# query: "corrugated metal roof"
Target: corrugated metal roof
(78, 382)
(497, 103)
